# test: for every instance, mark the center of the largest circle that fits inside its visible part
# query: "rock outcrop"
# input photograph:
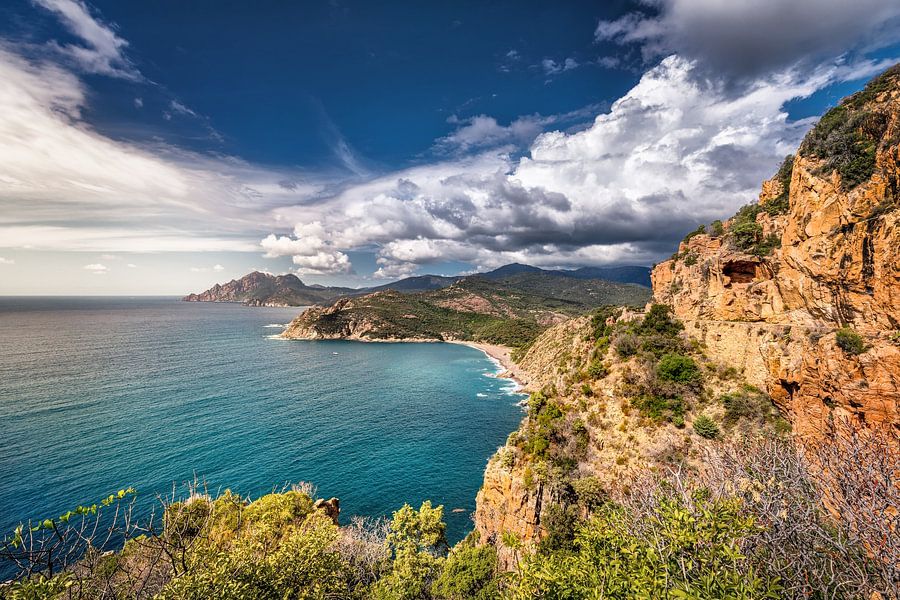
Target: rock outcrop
(797, 295)
(264, 289)
(836, 264)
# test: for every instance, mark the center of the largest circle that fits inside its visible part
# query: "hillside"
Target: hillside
(263, 289)
(779, 324)
(509, 310)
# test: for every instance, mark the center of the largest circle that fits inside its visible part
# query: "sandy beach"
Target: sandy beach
(502, 355)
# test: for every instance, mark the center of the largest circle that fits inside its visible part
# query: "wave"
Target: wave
(273, 325)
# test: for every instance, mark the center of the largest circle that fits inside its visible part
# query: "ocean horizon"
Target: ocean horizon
(99, 393)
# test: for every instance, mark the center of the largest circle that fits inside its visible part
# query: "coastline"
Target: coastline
(496, 352)
(501, 354)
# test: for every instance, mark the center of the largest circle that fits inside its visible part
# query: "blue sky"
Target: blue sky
(159, 147)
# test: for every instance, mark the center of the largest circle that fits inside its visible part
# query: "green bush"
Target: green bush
(590, 492)
(716, 229)
(659, 320)
(626, 344)
(849, 341)
(747, 235)
(659, 408)
(706, 427)
(596, 369)
(701, 230)
(559, 522)
(780, 204)
(677, 551)
(468, 573)
(678, 368)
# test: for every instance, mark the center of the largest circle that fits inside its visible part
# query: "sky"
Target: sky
(160, 147)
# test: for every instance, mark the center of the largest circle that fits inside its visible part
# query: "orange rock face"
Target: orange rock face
(775, 317)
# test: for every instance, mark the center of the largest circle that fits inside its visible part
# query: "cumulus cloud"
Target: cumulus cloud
(752, 38)
(96, 268)
(677, 150)
(483, 131)
(103, 51)
(311, 251)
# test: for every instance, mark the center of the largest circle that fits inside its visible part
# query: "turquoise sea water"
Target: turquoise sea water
(98, 394)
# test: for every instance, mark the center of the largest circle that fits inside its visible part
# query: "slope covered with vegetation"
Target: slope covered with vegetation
(509, 311)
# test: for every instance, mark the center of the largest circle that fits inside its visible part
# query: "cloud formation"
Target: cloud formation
(63, 186)
(677, 150)
(751, 38)
(103, 51)
(96, 268)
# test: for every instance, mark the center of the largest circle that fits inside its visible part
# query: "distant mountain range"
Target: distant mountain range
(263, 289)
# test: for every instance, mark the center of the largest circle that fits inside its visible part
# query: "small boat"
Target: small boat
(335, 353)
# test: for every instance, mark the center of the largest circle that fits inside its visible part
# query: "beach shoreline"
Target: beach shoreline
(503, 355)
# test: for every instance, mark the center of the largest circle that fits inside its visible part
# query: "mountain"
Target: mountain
(420, 283)
(263, 289)
(508, 310)
(509, 270)
(630, 274)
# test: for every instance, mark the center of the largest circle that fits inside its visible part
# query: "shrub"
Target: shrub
(659, 408)
(701, 230)
(678, 368)
(705, 427)
(716, 229)
(746, 235)
(678, 550)
(597, 370)
(559, 522)
(659, 320)
(468, 573)
(626, 344)
(849, 341)
(590, 492)
(780, 204)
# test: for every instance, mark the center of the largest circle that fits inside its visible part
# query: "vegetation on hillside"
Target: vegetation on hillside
(511, 311)
(846, 138)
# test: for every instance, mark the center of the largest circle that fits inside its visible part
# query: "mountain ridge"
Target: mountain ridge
(265, 289)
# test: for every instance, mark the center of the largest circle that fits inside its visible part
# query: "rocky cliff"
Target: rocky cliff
(794, 301)
(816, 260)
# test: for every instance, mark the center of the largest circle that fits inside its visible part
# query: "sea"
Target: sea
(99, 394)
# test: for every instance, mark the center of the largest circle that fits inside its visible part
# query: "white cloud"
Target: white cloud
(104, 50)
(677, 150)
(749, 39)
(139, 103)
(323, 263)
(96, 268)
(218, 268)
(394, 270)
(551, 67)
(110, 196)
(181, 109)
(7, 261)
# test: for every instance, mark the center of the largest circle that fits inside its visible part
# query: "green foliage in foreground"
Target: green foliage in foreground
(681, 551)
